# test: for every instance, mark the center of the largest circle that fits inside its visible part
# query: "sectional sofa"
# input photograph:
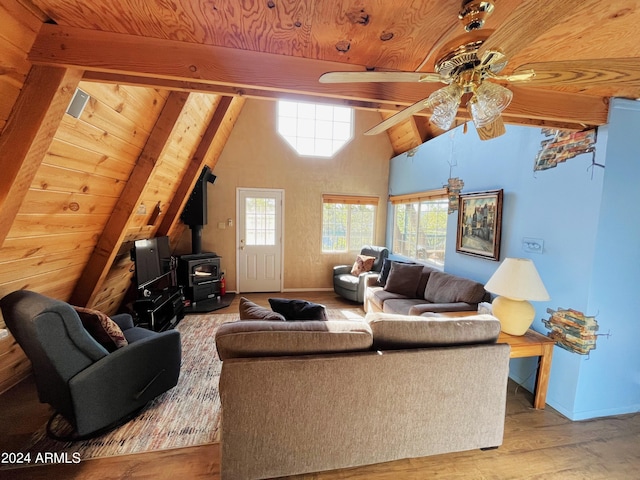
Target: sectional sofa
(308, 396)
(416, 289)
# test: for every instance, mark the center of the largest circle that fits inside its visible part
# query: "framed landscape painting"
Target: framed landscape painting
(480, 224)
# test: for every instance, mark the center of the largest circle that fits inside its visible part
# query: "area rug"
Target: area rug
(187, 415)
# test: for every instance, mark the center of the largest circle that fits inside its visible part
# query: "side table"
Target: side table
(533, 344)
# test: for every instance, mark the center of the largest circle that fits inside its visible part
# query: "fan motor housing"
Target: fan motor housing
(463, 58)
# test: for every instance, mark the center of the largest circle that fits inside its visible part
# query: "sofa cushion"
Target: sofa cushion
(386, 267)
(425, 308)
(298, 309)
(347, 281)
(103, 330)
(445, 288)
(403, 278)
(267, 339)
(362, 264)
(401, 306)
(252, 311)
(424, 278)
(400, 331)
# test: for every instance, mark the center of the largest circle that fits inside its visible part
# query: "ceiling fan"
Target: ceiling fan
(470, 71)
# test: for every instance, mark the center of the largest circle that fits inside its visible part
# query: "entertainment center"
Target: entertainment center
(168, 286)
(160, 302)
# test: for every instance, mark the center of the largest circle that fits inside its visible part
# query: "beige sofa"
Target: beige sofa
(310, 396)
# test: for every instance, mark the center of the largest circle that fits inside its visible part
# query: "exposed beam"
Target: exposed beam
(115, 230)
(224, 90)
(190, 176)
(28, 133)
(248, 71)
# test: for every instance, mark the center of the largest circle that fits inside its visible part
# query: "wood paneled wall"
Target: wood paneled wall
(19, 29)
(90, 174)
(76, 188)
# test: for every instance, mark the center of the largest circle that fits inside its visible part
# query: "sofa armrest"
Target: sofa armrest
(372, 279)
(341, 269)
(141, 371)
(443, 307)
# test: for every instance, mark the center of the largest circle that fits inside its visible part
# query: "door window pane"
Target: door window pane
(260, 223)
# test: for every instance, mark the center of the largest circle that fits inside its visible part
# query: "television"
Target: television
(153, 263)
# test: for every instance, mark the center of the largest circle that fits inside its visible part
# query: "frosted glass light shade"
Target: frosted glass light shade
(444, 103)
(516, 280)
(488, 102)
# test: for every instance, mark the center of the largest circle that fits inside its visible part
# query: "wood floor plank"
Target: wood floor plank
(538, 444)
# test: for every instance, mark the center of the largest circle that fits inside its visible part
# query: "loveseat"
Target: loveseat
(416, 289)
(308, 396)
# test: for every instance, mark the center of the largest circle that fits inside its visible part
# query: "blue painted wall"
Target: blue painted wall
(573, 209)
(609, 381)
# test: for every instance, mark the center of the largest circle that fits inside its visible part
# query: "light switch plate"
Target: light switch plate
(533, 245)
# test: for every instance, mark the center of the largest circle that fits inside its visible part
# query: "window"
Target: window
(260, 221)
(315, 130)
(348, 222)
(420, 225)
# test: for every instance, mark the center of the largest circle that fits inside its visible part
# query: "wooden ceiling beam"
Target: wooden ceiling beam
(28, 133)
(115, 230)
(245, 70)
(199, 159)
(226, 90)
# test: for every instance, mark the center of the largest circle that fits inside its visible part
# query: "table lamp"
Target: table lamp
(516, 281)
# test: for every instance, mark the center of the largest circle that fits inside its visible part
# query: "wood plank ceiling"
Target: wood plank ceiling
(273, 48)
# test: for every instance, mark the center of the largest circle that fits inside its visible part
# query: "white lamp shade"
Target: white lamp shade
(517, 279)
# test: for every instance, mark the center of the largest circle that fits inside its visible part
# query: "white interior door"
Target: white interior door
(259, 240)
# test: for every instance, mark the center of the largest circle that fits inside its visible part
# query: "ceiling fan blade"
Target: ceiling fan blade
(619, 71)
(493, 130)
(398, 117)
(528, 21)
(351, 77)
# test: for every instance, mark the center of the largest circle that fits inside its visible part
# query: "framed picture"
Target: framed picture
(480, 224)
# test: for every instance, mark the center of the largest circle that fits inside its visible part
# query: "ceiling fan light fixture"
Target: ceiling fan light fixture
(488, 102)
(494, 96)
(480, 117)
(444, 104)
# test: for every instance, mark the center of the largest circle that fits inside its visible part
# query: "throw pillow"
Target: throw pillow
(253, 311)
(363, 263)
(298, 309)
(404, 278)
(104, 330)
(384, 271)
(446, 288)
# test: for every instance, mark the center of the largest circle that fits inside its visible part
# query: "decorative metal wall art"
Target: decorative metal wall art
(563, 145)
(572, 330)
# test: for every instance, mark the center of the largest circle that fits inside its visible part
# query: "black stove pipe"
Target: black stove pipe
(196, 238)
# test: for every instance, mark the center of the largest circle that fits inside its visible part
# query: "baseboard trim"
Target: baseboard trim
(307, 289)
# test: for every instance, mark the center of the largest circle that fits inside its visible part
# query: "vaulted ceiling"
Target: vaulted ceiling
(279, 48)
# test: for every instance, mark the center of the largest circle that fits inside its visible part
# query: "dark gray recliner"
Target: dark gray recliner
(352, 287)
(90, 387)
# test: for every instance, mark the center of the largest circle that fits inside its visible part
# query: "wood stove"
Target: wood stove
(200, 275)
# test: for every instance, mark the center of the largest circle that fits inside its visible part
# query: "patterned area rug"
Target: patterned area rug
(187, 415)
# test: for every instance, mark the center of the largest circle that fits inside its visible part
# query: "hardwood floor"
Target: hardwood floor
(538, 444)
